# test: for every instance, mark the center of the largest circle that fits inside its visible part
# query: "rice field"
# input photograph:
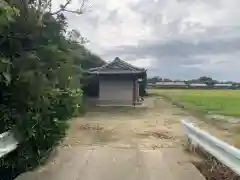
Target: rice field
(219, 102)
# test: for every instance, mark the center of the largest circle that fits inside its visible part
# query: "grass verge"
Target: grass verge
(230, 131)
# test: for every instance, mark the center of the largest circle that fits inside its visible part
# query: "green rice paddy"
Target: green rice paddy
(220, 102)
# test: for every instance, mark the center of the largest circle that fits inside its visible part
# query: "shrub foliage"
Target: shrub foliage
(40, 75)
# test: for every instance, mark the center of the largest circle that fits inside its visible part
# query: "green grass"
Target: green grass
(221, 102)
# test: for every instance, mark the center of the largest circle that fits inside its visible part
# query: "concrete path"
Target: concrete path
(104, 163)
(122, 144)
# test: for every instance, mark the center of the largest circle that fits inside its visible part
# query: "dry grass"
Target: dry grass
(91, 127)
(157, 134)
(208, 165)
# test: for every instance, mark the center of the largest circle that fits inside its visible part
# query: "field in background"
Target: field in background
(216, 111)
(217, 102)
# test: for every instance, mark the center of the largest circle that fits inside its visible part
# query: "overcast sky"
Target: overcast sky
(178, 39)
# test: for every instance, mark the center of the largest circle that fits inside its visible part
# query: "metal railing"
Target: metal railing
(8, 143)
(225, 153)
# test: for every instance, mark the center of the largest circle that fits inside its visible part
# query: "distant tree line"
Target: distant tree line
(204, 79)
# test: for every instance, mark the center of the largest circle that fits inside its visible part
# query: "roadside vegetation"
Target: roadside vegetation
(216, 111)
(208, 165)
(41, 65)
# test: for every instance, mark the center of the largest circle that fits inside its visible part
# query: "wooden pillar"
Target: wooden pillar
(134, 92)
(137, 89)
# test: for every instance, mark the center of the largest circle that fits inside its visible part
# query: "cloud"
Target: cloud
(179, 49)
(172, 38)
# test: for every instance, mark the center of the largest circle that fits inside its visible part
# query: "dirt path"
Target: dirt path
(154, 126)
(122, 143)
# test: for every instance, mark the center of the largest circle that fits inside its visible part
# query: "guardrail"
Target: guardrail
(225, 153)
(8, 143)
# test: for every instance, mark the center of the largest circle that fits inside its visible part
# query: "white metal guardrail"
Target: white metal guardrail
(7, 143)
(227, 154)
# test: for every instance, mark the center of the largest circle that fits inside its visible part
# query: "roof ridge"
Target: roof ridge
(128, 64)
(121, 64)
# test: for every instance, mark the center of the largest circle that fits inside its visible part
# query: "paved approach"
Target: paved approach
(122, 144)
(104, 163)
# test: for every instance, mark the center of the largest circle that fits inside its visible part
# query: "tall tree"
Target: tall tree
(43, 7)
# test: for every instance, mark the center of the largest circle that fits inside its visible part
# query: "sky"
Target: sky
(178, 39)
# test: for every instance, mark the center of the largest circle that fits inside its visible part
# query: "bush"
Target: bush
(42, 129)
(40, 81)
(40, 87)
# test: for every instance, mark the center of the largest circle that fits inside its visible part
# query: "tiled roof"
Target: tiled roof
(117, 66)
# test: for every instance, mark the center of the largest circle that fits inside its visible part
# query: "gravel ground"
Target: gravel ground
(155, 125)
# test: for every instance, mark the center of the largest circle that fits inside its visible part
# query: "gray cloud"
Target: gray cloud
(186, 59)
(182, 49)
(178, 38)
